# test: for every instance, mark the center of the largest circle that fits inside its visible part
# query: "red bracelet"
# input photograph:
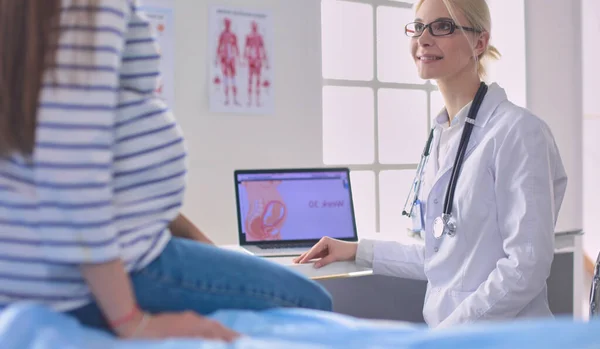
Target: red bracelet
(125, 319)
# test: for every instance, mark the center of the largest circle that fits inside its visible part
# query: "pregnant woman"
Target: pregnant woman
(92, 180)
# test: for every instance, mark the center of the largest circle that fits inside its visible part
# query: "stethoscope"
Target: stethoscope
(446, 223)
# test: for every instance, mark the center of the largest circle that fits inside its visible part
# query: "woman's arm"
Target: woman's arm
(183, 227)
(112, 289)
(79, 202)
(77, 186)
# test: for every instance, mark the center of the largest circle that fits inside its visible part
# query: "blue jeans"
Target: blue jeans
(192, 276)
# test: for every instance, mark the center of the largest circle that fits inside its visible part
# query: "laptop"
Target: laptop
(284, 212)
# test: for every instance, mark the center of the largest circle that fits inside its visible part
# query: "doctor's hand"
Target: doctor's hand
(329, 250)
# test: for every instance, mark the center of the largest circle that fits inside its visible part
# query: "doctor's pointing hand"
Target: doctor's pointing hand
(487, 191)
(329, 250)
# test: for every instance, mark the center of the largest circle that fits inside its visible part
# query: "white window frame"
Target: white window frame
(376, 167)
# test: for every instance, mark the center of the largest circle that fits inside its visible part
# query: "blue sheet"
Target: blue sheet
(29, 326)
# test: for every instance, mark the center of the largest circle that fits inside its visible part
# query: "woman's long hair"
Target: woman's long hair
(29, 35)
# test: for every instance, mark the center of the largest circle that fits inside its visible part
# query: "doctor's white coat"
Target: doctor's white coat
(507, 200)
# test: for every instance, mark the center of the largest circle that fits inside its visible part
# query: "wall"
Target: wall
(220, 143)
(557, 98)
(591, 127)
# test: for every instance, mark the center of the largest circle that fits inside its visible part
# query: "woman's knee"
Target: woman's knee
(320, 298)
(312, 295)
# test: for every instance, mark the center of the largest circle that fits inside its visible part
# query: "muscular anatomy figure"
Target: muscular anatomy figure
(255, 54)
(227, 54)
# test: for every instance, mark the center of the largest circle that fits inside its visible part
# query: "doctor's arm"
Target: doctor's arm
(384, 257)
(527, 206)
(392, 258)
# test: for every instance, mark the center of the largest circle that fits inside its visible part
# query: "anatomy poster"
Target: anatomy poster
(240, 62)
(161, 19)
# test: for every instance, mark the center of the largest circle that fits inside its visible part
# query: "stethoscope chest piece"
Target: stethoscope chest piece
(444, 224)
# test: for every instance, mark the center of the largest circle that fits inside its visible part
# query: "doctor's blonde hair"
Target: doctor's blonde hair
(477, 13)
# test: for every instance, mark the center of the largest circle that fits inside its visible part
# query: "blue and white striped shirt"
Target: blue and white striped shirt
(108, 170)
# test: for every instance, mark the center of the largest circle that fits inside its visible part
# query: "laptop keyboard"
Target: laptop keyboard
(285, 245)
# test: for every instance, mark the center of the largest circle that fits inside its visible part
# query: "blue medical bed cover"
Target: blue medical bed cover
(30, 326)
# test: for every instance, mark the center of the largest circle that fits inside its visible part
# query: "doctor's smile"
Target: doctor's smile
(487, 189)
(429, 58)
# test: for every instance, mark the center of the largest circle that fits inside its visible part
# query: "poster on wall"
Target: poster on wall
(240, 64)
(162, 21)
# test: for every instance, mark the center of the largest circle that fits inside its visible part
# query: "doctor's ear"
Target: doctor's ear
(481, 45)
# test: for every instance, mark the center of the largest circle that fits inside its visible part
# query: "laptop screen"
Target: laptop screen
(294, 205)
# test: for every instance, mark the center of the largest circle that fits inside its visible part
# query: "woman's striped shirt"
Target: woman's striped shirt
(108, 170)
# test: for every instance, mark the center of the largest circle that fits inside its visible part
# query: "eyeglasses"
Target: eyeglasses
(440, 27)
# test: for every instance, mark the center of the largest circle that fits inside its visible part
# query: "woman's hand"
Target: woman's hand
(176, 325)
(329, 250)
(112, 289)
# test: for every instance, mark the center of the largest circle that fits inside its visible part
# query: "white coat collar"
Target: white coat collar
(442, 119)
(493, 98)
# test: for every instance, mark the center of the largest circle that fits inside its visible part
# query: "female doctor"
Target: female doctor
(491, 189)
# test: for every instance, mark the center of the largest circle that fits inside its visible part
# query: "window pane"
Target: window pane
(508, 36)
(363, 195)
(347, 40)
(394, 186)
(394, 61)
(348, 125)
(402, 125)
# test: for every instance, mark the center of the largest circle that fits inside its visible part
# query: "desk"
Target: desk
(330, 271)
(333, 270)
(358, 292)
